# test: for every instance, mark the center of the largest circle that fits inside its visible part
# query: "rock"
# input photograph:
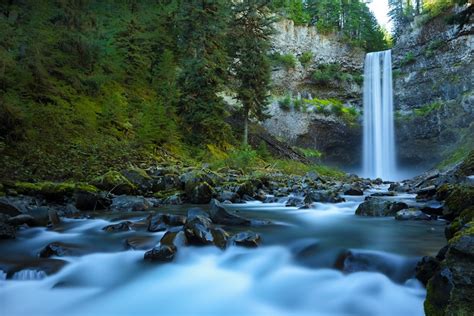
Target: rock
(246, 188)
(201, 194)
(89, 201)
(140, 242)
(426, 193)
(41, 214)
(120, 227)
(245, 239)
(324, 196)
(227, 196)
(54, 217)
(126, 203)
(219, 215)
(139, 178)
(53, 191)
(261, 195)
(174, 237)
(426, 269)
(114, 182)
(174, 199)
(460, 198)
(379, 207)
(23, 219)
(197, 229)
(411, 214)
(380, 194)
(354, 191)
(162, 221)
(7, 231)
(294, 202)
(459, 222)
(163, 253)
(220, 237)
(8, 208)
(59, 249)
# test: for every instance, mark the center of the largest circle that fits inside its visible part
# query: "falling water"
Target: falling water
(379, 143)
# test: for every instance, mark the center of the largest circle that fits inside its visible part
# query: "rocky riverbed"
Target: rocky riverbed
(350, 245)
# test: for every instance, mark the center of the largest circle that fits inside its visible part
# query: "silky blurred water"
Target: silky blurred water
(292, 273)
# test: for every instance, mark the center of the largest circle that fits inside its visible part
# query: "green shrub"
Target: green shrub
(306, 58)
(427, 109)
(288, 61)
(308, 152)
(285, 103)
(298, 104)
(408, 59)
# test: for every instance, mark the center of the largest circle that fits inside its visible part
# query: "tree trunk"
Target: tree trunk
(246, 128)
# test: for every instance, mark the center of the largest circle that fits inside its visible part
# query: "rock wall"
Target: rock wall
(433, 90)
(338, 141)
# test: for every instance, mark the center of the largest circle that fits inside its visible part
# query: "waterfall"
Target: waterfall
(29, 274)
(379, 136)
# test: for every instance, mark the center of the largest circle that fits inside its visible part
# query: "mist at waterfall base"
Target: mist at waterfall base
(291, 273)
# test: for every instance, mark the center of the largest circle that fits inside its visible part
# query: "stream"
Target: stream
(319, 261)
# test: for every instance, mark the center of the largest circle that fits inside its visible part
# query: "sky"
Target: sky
(380, 10)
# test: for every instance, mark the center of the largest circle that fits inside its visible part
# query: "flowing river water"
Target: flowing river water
(296, 270)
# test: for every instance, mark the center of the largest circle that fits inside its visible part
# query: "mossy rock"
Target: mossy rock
(201, 194)
(467, 166)
(53, 190)
(114, 182)
(459, 222)
(443, 191)
(138, 177)
(460, 198)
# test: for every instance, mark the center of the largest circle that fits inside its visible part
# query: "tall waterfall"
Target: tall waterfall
(379, 137)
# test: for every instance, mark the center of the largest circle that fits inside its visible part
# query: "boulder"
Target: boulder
(162, 221)
(294, 202)
(9, 208)
(245, 239)
(120, 227)
(126, 203)
(227, 196)
(426, 269)
(354, 191)
(59, 249)
(197, 229)
(140, 242)
(23, 219)
(411, 214)
(246, 188)
(220, 237)
(379, 207)
(139, 178)
(324, 196)
(163, 253)
(201, 193)
(219, 215)
(88, 201)
(114, 182)
(174, 237)
(460, 198)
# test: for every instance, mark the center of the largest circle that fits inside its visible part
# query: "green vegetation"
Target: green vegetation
(285, 103)
(427, 109)
(288, 61)
(352, 20)
(306, 58)
(327, 74)
(309, 153)
(408, 59)
(433, 47)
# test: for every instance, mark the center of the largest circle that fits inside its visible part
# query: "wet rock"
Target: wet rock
(125, 203)
(88, 201)
(426, 193)
(324, 196)
(246, 188)
(294, 202)
(23, 219)
(220, 237)
(197, 228)
(354, 191)
(459, 222)
(174, 199)
(163, 253)
(174, 237)
(8, 208)
(140, 242)
(261, 195)
(7, 231)
(219, 215)
(271, 199)
(162, 221)
(245, 239)
(59, 249)
(54, 217)
(227, 196)
(41, 214)
(379, 207)
(139, 178)
(114, 182)
(460, 198)
(201, 194)
(120, 227)
(411, 214)
(380, 194)
(426, 269)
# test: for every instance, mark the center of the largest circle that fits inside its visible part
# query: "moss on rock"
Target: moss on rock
(114, 182)
(53, 190)
(460, 198)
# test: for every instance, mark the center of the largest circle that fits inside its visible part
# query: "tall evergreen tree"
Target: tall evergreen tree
(250, 41)
(203, 27)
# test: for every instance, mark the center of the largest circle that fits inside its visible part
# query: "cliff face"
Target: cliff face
(433, 91)
(336, 139)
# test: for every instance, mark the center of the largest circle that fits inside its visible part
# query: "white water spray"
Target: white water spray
(379, 136)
